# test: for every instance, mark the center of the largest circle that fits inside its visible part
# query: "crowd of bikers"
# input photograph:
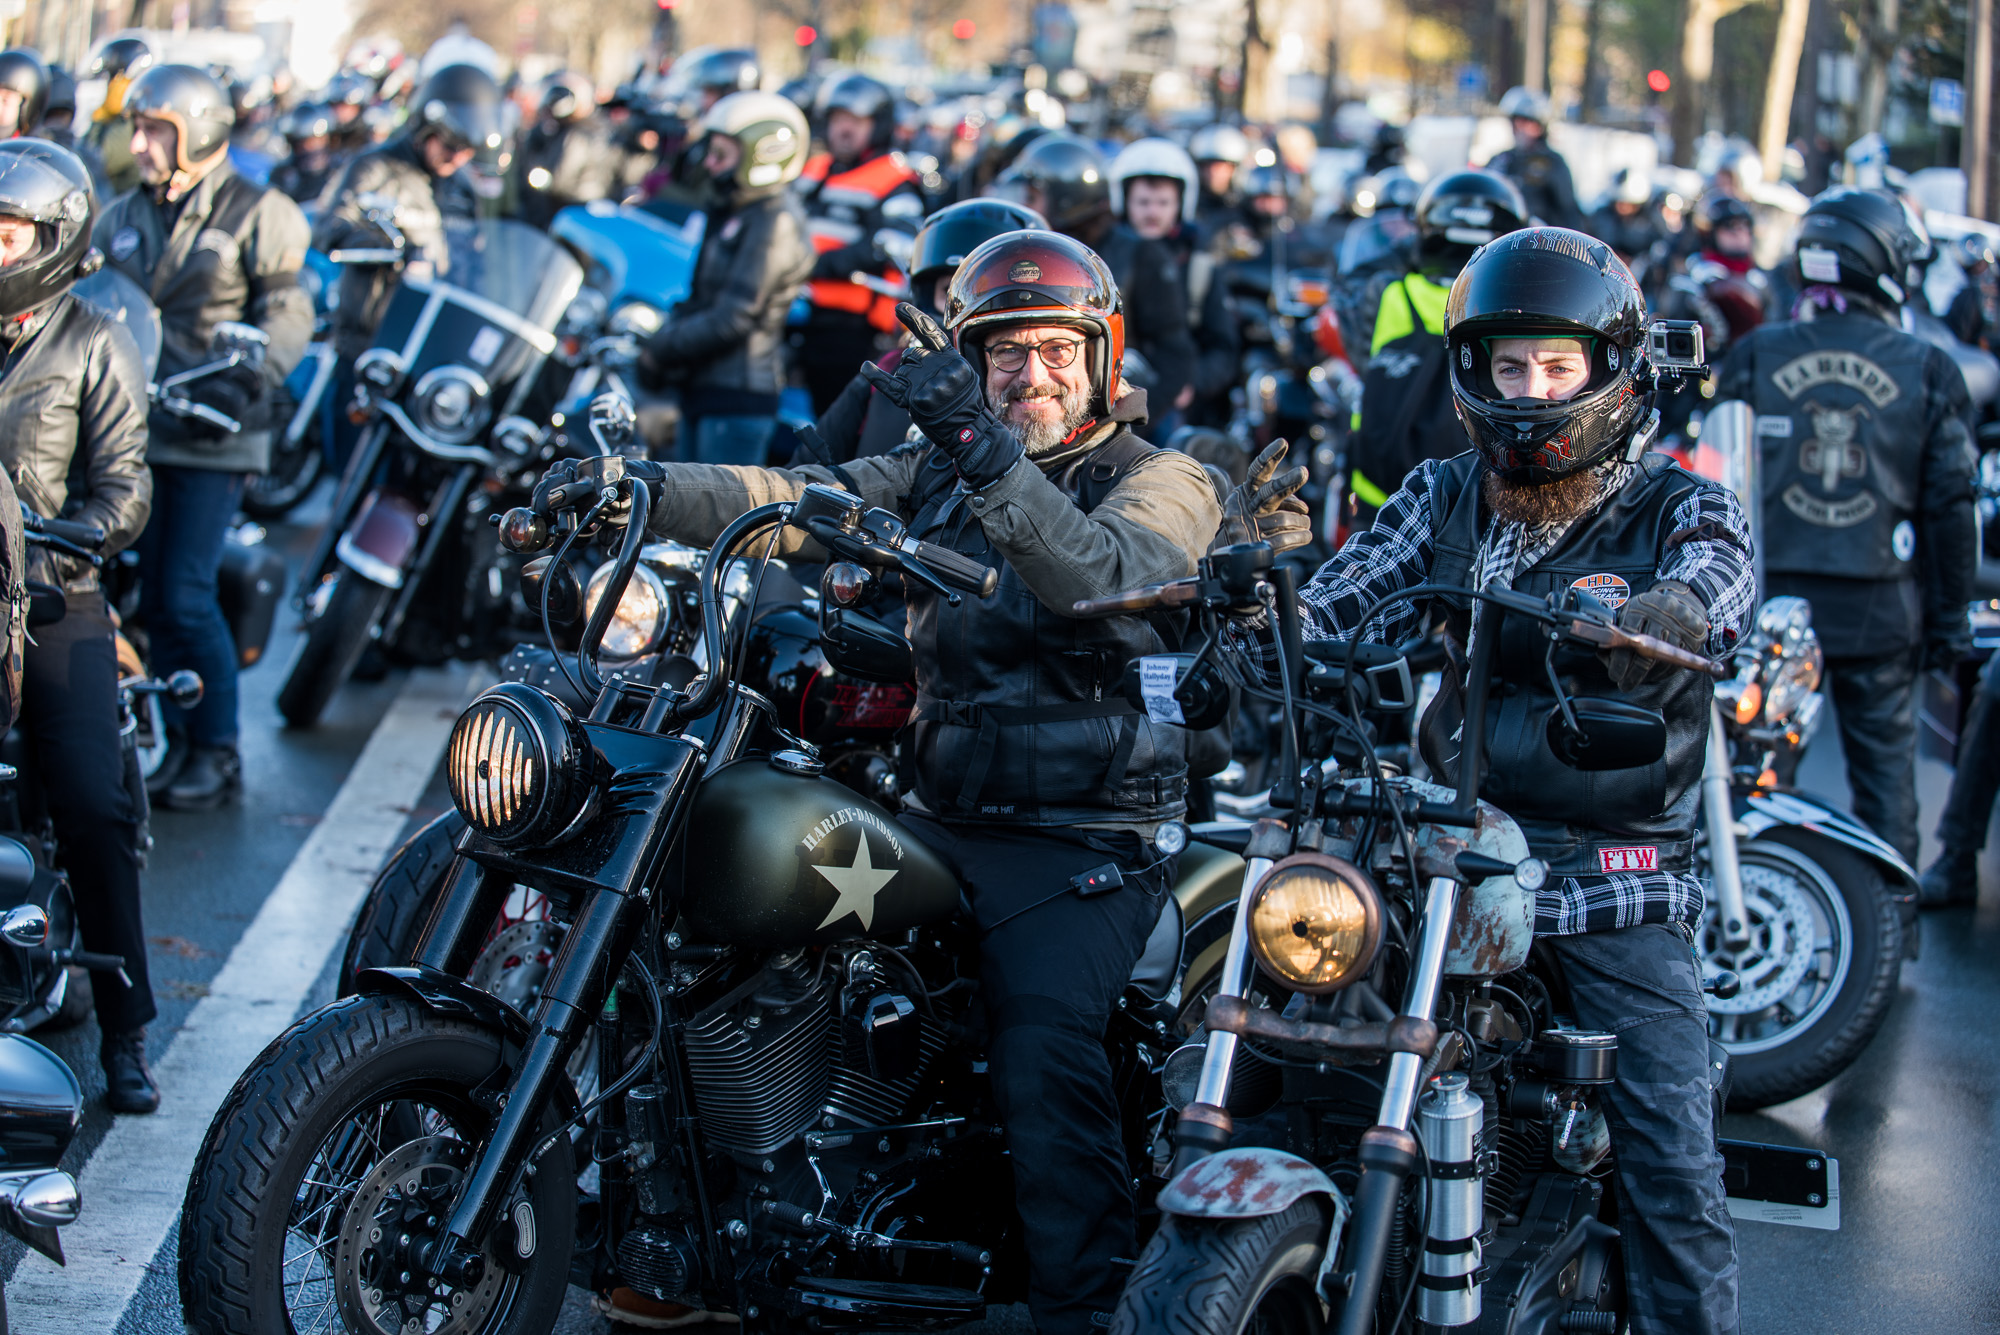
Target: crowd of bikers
(825, 204)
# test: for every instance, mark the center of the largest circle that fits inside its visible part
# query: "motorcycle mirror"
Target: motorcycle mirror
(564, 590)
(185, 688)
(1609, 734)
(26, 925)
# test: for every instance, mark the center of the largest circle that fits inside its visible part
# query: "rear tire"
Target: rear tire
(295, 470)
(266, 1218)
(333, 645)
(1229, 1276)
(1849, 894)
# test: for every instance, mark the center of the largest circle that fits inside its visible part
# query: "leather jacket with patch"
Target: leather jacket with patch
(73, 431)
(1867, 467)
(227, 250)
(1581, 822)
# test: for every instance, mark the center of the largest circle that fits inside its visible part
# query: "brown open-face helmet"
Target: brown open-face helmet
(1041, 278)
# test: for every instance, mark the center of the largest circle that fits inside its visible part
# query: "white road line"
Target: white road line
(133, 1185)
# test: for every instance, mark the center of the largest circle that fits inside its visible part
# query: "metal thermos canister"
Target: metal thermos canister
(1449, 1119)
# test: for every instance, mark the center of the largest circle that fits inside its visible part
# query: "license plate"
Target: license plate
(1779, 1184)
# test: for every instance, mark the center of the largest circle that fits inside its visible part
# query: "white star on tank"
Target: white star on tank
(858, 885)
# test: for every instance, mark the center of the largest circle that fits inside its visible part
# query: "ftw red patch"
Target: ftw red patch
(1628, 859)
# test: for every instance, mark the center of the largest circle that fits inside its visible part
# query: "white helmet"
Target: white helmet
(1155, 157)
(1524, 103)
(772, 133)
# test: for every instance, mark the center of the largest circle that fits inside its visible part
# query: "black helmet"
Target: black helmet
(307, 120)
(1547, 282)
(568, 96)
(49, 186)
(349, 88)
(459, 104)
(196, 104)
(121, 55)
(62, 92)
(1715, 210)
(1263, 178)
(1067, 176)
(1858, 240)
(954, 232)
(715, 69)
(1461, 211)
(859, 95)
(25, 73)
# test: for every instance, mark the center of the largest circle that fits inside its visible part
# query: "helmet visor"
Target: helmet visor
(34, 188)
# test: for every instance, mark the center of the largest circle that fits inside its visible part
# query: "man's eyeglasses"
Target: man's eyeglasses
(1056, 353)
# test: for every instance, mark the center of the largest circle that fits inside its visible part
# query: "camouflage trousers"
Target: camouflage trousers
(1680, 1250)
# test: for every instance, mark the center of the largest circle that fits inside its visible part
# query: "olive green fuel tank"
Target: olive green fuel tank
(777, 859)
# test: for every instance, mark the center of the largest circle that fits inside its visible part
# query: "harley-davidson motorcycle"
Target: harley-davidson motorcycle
(782, 1116)
(407, 560)
(1431, 1152)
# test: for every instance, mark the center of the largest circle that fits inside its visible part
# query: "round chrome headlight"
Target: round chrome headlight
(1793, 680)
(1316, 922)
(641, 617)
(452, 403)
(517, 766)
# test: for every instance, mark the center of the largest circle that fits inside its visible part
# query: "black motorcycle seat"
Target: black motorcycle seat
(17, 871)
(1160, 962)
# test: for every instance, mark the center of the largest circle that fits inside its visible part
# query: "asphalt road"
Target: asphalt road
(1913, 1123)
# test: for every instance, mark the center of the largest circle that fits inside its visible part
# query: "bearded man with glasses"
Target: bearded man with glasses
(1058, 803)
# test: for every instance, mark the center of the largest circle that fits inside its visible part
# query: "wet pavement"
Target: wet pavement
(1913, 1123)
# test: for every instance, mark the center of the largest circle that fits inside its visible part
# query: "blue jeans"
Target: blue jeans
(180, 554)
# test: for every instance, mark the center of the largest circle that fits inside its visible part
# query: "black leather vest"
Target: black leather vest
(1020, 718)
(1581, 822)
(1841, 424)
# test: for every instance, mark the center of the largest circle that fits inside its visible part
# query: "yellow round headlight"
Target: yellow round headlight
(1316, 922)
(640, 619)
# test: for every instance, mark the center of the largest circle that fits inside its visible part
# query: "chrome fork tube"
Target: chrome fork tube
(1720, 819)
(1399, 1088)
(1220, 1059)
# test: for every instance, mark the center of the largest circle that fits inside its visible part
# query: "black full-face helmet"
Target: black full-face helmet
(1548, 282)
(1858, 240)
(955, 231)
(1067, 175)
(1459, 212)
(50, 187)
(460, 104)
(24, 73)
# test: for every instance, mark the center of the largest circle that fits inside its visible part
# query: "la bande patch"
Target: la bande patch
(1609, 589)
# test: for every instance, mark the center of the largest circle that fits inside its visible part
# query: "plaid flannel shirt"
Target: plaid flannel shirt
(1396, 554)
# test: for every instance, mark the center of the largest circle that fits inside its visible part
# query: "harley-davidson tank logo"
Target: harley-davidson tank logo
(1607, 588)
(1025, 271)
(856, 884)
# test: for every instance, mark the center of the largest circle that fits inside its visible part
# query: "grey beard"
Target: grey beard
(1040, 436)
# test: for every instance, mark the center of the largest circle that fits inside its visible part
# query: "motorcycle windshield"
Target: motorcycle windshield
(126, 302)
(486, 298)
(630, 254)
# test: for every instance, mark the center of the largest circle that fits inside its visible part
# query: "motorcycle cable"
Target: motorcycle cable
(742, 647)
(548, 586)
(646, 1062)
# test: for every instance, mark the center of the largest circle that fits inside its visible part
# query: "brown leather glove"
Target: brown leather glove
(1266, 508)
(1669, 611)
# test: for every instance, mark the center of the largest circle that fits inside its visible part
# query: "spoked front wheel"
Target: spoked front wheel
(331, 1169)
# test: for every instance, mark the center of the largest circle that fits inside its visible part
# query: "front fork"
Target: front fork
(1388, 1149)
(1719, 819)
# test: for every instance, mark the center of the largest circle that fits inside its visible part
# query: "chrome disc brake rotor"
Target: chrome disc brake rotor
(516, 962)
(397, 1210)
(1784, 934)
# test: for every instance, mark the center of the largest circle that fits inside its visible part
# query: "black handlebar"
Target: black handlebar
(958, 570)
(69, 530)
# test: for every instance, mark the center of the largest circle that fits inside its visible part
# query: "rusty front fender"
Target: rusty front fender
(1244, 1184)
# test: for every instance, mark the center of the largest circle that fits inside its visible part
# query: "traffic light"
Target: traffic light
(806, 34)
(964, 29)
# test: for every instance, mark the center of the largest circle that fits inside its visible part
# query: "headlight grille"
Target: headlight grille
(515, 767)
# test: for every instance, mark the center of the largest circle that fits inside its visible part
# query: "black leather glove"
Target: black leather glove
(1266, 508)
(1668, 611)
(944, 397)
(560, 474)
(233, 392)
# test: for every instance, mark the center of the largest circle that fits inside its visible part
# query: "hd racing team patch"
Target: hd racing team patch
(1628, 859)
(1609, 589)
